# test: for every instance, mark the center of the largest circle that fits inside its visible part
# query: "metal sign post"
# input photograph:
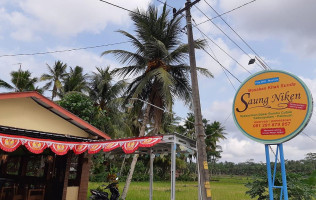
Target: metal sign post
(271, 180)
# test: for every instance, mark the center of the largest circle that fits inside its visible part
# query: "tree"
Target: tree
(157, 64)
(297, 187)
(103, 91)
(214, 132)
(75, 80)
(55, 75)
(82, 106)
(21, 81)
(107, 96)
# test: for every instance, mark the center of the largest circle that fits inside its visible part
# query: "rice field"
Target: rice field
(225, 188)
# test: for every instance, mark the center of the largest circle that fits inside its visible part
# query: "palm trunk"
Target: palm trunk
(133, 164)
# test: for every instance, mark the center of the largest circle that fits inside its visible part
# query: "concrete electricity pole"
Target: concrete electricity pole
(205, 193)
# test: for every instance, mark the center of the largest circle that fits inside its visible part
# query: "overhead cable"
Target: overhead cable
(237, 34)
(217, 60)
(227, 35)
(112, 4)
(222, 49)
(221, 65)
(61, 51)
(214, 58)
(309, 136)
(219, 15)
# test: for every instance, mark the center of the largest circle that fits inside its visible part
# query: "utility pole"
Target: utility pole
(204, 178)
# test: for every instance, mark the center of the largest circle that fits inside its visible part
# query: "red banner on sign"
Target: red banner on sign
(298, 106)
(272, 131)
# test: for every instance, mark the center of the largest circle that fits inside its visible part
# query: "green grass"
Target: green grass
(230, 188)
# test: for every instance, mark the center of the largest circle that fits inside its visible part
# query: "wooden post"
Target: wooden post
(84, 176)
(69, 155)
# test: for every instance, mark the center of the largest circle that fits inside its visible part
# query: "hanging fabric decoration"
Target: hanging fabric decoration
(149, 142)
(60, 149)
(80, 148)
(9, 144)
(110, 146)
(94, 148)
(130, 147)
(36, 147)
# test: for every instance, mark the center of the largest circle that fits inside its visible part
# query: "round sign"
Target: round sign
(272, 107)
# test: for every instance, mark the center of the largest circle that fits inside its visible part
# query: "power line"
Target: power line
(226, 35)
(309, 136)
(221, 65)
(237, 34)
(60, 51)
(217, 60)
(219, 15)
(165, 3)
(121, 7)
(203, 34)
(222, 69)
(222, 49)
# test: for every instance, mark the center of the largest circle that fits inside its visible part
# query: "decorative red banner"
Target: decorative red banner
(36, 147)
(60, 149)
(80, 148)
(130, 147)
(110, 146)
(94, 148)
(9, 144)
(149, 142)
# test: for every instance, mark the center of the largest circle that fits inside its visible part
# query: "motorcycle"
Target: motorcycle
(100, 195)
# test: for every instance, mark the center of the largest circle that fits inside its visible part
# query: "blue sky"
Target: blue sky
(281, 32)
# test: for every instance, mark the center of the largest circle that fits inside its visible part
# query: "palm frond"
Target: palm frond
(126, 57)
(5, 85)
(135, 42)
(201, 70)
(46, 77)
(130, 70)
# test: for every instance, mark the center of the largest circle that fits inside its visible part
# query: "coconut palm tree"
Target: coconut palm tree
(75, 80)
(214, 133)
(158, 65)
(21, 81)
(102, 89)
(55, 75)
(107, 95)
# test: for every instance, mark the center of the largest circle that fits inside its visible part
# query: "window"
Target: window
(35, 166)
(13, 165)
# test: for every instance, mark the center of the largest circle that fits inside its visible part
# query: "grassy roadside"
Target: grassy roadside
(231, 188)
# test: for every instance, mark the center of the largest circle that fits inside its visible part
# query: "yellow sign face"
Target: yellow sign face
(272, 107)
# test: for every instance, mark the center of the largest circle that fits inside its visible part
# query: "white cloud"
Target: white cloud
(237, 150)
(86, 59)
(287, 21)
(67, 18)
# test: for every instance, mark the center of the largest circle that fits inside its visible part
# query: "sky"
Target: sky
(280, 32)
